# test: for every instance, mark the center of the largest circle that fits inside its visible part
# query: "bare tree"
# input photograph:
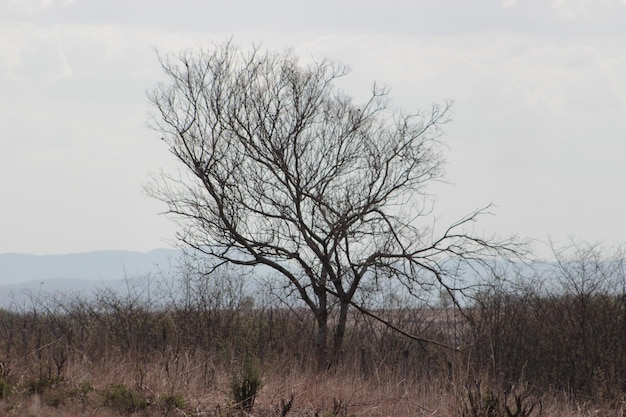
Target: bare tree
(286, 171)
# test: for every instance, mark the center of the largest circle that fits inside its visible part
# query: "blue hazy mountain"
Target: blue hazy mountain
(24, 275)
(16, 268)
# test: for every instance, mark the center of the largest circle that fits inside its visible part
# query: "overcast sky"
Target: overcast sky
(539, 91)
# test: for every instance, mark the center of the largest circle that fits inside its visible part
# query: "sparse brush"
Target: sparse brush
(172, 351)
(479, 401)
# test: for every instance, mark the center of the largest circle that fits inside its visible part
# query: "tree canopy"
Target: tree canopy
(285, 170)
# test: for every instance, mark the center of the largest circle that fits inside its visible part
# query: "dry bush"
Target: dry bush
(563, 330)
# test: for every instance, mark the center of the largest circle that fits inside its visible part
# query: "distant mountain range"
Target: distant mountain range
(25, 277)
(22, 275)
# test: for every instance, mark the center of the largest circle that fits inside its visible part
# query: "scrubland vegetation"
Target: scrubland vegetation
(546, 343)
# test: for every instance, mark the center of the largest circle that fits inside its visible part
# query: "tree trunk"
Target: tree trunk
(340, 330)
(321, 341)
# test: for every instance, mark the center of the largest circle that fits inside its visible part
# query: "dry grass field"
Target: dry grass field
(199, 386)
(132, 361)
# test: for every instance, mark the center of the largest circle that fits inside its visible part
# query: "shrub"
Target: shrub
(120, 398)
(54, 398)
(172, 402)
(245, 385)
(5, 388)
(81, 393)
(489, 402)
(41, 384)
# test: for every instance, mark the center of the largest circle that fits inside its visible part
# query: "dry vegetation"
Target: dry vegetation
(526, 350)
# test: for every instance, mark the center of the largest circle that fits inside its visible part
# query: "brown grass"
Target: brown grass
(202, 381)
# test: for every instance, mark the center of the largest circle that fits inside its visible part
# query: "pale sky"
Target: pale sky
(539, 91)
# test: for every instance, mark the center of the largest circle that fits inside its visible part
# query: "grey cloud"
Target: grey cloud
(451, 17)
